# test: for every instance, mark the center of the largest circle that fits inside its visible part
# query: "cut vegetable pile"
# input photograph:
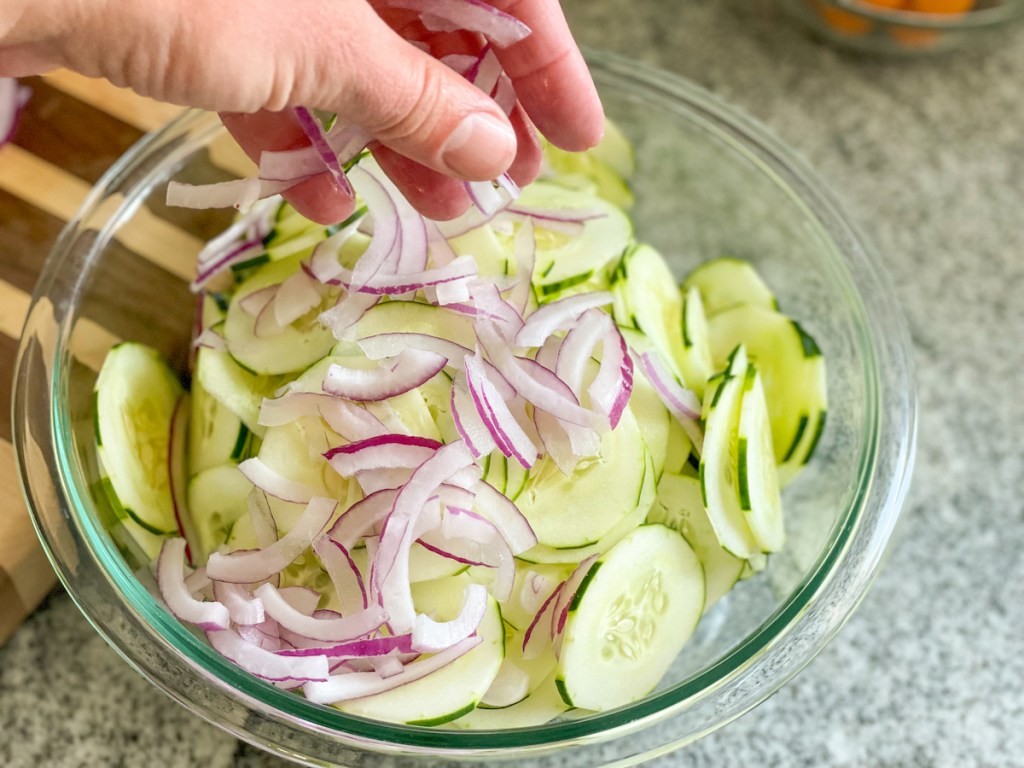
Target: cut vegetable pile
(473, 473)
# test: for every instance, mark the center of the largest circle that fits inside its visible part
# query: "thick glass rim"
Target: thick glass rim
(867, 526)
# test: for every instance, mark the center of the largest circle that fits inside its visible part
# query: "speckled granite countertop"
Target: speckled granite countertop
(929, 156)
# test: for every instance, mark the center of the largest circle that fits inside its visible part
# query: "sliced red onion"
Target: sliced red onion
(242, 606)
(468, 423)
(456, 496)
(265, 664)
(340, 567)
(323, 264)
(387, 666)
(345, 143)
(385, 451)
(558, 315)
(362, 517)
(242, 252)
(265, 635)
(506, 517)
(538, 634)
(577, 349)
(264, 525)
(681, 402)
(383, 209)
(350, 421)
(467, 15)
(295, 297)
(510, 685)
(468, 221)
(440, 250)
(197, 581)
(249, 229)
(170, 577)
(373, 480)
(302, 599)
(252, 566)
(488, 546)
(487, 297)
(535, 392)
(385, 345)
(484, 196)
(355, 649)
(318, 140)
(254, 303)
(405, 282)
(340, 318)
(357, 685)
(242, 194)
(429, 636)
(408, 370)
(271, 482)
(391, 565)
(453, 292)
(329, 630)
(505, 97)
(565, 597)
(495, 414)
(266, 325)
(610, 389)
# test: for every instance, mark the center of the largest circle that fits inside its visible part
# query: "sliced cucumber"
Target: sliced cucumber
(135, 400)
(726, 282)
(679, 450)
(564, 259)
(718, 464)
(217, 498)
(237, 389)
(454, 690)
(541, 706)
(545, 554)
(414, 317)
(294, 348)
(757, 476)
(794, 377)
(215, 435)
(579, 510)
(695, 356)
(493, 254)
(629, 619)
(680, 506)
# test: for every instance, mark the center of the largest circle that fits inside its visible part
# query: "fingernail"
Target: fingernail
(481, 147)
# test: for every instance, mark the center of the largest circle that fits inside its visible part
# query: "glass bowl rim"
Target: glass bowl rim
(724, 123)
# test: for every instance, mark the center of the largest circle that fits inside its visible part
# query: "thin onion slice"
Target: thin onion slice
(257, 565)
(355, 649)
(339, 565)
(469, 15)
(429, 636)
(408, 370)
(242, 606)
(170, 576)
(329, 630)
(382, 452)
(468, 423)
(558, 315)
(266, 664)
(275, 484)
(356, 685)
(318, 140)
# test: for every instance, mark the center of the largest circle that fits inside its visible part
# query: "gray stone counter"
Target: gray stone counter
(929, 157)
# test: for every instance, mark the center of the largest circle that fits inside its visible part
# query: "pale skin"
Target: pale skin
(252, 59)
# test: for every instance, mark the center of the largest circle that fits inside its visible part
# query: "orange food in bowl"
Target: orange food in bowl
(840, 20)
(941, 6)
(911, 37)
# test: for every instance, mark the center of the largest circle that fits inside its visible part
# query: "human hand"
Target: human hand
(431, 127)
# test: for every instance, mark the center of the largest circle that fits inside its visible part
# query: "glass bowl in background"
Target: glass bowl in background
(900, 27)
(709, 182)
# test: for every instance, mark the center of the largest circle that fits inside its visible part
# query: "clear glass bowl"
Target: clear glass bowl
(709, 182)
(871, 27)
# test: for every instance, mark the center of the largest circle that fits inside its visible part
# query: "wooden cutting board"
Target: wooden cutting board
(72, 130)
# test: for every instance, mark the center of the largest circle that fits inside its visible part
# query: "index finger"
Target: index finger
(550, 76)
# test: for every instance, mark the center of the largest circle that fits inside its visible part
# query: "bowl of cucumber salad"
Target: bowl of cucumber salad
(575, 478)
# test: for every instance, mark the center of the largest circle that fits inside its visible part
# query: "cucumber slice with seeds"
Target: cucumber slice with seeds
(630, 618)
(680, 506)
(136, 396)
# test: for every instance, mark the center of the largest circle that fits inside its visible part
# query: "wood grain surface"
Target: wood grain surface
(72, 130)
